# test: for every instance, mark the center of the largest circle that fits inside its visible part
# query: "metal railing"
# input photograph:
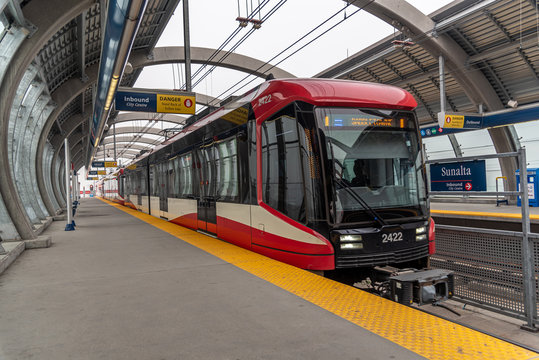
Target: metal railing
(488, 268)
(494, 269)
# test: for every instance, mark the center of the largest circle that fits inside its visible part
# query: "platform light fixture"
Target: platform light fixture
(112, 91)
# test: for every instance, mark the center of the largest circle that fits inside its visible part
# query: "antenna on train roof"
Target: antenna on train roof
(270, 77)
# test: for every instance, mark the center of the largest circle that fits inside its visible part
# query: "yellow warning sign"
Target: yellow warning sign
(176, 104)
(132, 167)
(454, 121)
(238, 116)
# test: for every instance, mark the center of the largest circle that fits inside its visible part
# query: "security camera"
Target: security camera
(512, 103)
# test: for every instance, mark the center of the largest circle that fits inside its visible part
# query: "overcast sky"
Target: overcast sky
(212, 21)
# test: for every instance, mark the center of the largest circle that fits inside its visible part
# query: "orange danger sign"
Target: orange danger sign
(454, 121)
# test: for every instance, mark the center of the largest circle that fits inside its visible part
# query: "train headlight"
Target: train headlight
(350, 238)
(421, 237)
(351, 246)
(421, 230)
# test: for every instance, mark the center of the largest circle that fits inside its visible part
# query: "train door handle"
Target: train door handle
(261, 227)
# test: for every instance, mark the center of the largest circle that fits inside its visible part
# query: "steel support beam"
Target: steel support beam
(175, 54)
(187, 46)
(59, 13)
(81, 46)
(414, 24)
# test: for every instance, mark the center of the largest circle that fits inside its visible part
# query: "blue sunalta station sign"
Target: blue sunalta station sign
(458, 176)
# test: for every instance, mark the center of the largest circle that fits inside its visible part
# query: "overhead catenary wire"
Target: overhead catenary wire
(296, 42)
(228, 40)
(245, 37)
(537, 20)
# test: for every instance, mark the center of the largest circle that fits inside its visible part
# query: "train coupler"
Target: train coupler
(422, 286)
(407, 286)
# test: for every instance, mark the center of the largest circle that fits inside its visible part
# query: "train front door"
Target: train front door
(207, 214)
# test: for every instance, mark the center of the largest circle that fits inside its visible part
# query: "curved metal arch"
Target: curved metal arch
(68, 127)
(136, 147)
(143, 116)
(199, 55)
(129, 154)
(135, 130)
(59, 13)
(414, 23)
(130, 140)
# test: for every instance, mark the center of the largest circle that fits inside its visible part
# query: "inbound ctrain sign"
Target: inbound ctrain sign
(458, 176)
(159, 101)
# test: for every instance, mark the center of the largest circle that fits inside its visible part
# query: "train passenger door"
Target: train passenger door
(139, 180)
(207, 214)
(163, 189)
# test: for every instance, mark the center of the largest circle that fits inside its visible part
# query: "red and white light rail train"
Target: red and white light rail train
(321, 174)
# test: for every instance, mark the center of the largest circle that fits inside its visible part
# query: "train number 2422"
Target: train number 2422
(392, 237)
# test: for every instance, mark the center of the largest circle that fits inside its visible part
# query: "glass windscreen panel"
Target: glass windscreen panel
(373, 160)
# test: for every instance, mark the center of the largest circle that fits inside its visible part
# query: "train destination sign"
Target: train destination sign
(157, 101)
(458, 176)
(353, 120)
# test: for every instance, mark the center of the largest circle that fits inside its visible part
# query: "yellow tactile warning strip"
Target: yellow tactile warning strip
(483, 214)
(424, 334)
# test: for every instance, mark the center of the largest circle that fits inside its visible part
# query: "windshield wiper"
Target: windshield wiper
(363, 203)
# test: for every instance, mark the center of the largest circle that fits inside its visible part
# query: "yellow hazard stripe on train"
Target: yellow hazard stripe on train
(424, 334)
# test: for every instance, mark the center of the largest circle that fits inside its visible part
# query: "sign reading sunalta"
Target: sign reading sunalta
(458, 176)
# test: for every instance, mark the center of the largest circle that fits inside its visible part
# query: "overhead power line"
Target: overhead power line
(295, 43)
(227, 41)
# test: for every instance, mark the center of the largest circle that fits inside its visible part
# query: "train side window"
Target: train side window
(154, 181)
(143, 183)
(228, 164)
(186, 175)
(217, 170)
(282, 177)
(174, 177)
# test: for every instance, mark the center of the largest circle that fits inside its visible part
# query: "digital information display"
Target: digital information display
(348, 120)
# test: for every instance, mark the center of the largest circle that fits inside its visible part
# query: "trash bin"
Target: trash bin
(533, 199)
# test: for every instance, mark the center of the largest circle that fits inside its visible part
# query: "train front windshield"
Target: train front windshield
(373, 165)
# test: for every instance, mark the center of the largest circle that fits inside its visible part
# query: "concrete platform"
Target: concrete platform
(13, 250)
(118, 288)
